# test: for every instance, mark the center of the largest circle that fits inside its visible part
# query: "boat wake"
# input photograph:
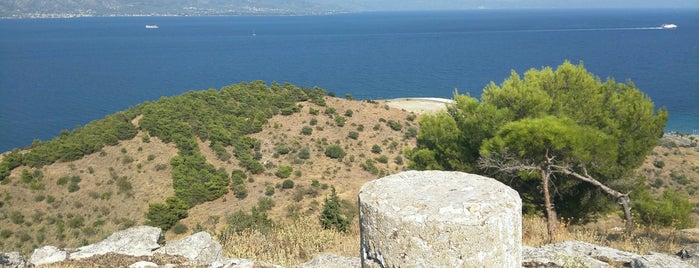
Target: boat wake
(595, 29)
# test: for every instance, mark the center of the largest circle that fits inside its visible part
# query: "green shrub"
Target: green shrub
(265, 203)
(127, 160)
(306, 130)
(410, 133)
(368, 165)
(282, 148)
(5, 234)
(340, 121)
(73, 187)
(62, 181)
(313, 122)
(659, 164)
(411, 117)
(179, 228)
(330, 111)
(395, 125)
(313, 111)
(269, 190)
(76, 222)
(376, 149)
(284, 172)
(671, 209)
(166, 215)
(680, 178)
(334, 151)
(353, 135)
(123, 185)
(398, 160)
(255, 220)
(287, 184)
(16, 217)
(304, 153)
(382, 159)
(240, 191)
(160, 167)
(349, 113)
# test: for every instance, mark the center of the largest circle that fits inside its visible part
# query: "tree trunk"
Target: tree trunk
(551, 221)
(623, 199)
(624, 202)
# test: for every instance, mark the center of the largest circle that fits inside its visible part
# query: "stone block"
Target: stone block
(439, 219)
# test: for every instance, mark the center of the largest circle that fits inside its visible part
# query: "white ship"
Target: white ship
(668, 26)
(151, 26)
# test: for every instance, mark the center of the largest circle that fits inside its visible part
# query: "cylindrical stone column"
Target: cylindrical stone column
(439, 219)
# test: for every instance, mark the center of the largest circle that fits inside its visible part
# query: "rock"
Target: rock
(241, 263)
(135, 241)
(592, 251)
(332, 261)
(690, 254)
(438, 218)
(551, 258)
(12, 260)
(47, 255)
(144, 264)
(658, 260)
(200, 248)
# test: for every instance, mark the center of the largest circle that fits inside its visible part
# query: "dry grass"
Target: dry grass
(607, 232)
(291, 244)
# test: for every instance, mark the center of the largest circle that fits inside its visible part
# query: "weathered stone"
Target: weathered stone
(690, 254)
(47, 255)
(144, 264)
(12, 260)
(136, 241)
(200, 248)
(552, 257)
(658, 260)
(241, 263)
(438, 218)
(332, 261)
(584, 249)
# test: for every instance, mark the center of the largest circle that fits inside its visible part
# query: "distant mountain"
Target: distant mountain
(81, 8)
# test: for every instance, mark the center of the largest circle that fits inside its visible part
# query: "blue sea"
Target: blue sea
(59, 73)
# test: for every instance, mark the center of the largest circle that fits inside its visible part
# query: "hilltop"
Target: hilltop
(72, 203)
(81, 200)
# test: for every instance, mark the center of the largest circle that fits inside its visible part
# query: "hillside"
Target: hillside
(76, 202)
(117, 183)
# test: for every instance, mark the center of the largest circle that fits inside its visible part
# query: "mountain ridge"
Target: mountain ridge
(94, 8)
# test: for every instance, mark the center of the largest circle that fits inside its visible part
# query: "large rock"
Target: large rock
(200, 248)
(241, 263)
(47, 255)
(12, 260)
(136, 241)
(690, 254)
(659, 260)
(438, 218)
(332, 261)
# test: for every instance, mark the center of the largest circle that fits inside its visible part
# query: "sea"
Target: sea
(57, 74)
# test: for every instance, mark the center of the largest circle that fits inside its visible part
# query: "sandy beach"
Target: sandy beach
(418, 105)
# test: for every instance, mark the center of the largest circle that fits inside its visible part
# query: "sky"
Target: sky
(470, 4)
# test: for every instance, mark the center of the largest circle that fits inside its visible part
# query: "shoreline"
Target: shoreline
(419, 105)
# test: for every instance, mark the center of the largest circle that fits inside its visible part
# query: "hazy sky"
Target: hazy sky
(469, 4)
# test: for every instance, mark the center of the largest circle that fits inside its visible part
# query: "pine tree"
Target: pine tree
(332, 217)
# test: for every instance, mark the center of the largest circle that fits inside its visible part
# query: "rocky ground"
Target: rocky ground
(139, 247)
